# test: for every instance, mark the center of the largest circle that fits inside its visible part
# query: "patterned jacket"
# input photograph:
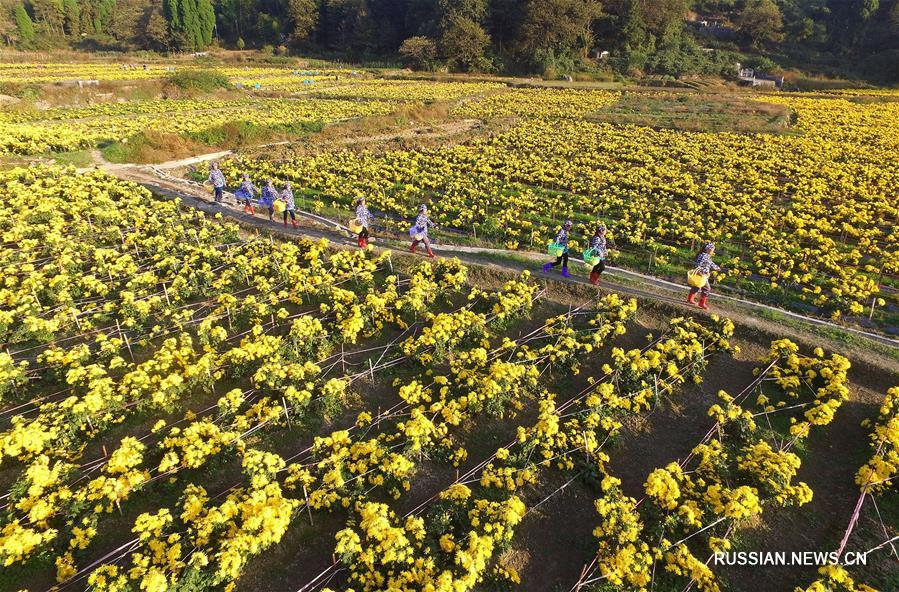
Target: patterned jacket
(217, 178)
(705, 265)
(422, 223)
(598, 244)
(562, 238)
(363, 215)
(287, 196)
(269, 195)
(246, 190)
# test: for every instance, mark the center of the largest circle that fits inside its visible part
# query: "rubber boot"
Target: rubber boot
(691, 298)
(364, 243)
(252, 210)
(285, 223)
(295, 225)
(414, 247)
(594, 278)
(702, 302)
(547, 267)
(431, 253)
(565, 273)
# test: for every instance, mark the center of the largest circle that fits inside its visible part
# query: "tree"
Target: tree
(96, 15)
(190, 22)
(761, 22)
(237, 18)
(347, 25)
(155, 28)
(849, 19)
(419, 52)
(72, 13)
(125, 21)
(7, 21)
(303, 16)
(463, 43)
(557, 28)
(662, 18)
(24, 26)
(475, 10)
(504, 22)
(50, 14)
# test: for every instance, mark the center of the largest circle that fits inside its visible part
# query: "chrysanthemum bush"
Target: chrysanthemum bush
(153, 350)
(877, 478)
(258, 309)
(744, 464)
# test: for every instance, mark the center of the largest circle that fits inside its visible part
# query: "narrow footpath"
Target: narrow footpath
(760, 316)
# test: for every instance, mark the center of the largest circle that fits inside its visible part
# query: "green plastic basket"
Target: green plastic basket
(591, 258)
(555, 249)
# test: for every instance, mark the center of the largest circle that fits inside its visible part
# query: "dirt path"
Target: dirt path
(751, 314)
(427, 132)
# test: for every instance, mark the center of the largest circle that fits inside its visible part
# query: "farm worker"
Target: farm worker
(268, 197)
(217, 179)
(419, 231)
(704, 267)
(561, 239)
(598, 244)
(287, 197)
(364, 217)
(245, 193)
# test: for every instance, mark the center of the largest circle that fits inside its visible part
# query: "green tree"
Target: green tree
(24, 26)
(419, 52)
(557, 28)
(155, 31)
(50, 14)
(191, 22)
(850, 19)
(463, 42)
(72, 13)
(303, 15)
(475, 10)
(237, 18)
(663, 18)
(125, 23)
(96, 15)
(7, 21)
(347, 26)
(761, 22)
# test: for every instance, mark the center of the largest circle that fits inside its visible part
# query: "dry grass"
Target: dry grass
(410, 127)
(152, 147)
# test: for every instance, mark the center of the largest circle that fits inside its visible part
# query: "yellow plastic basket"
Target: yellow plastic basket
(280, 205)
(696, 279)
(356, 226)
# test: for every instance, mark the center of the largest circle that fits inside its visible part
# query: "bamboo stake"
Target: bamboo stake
(286, 413)
(308, 507)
